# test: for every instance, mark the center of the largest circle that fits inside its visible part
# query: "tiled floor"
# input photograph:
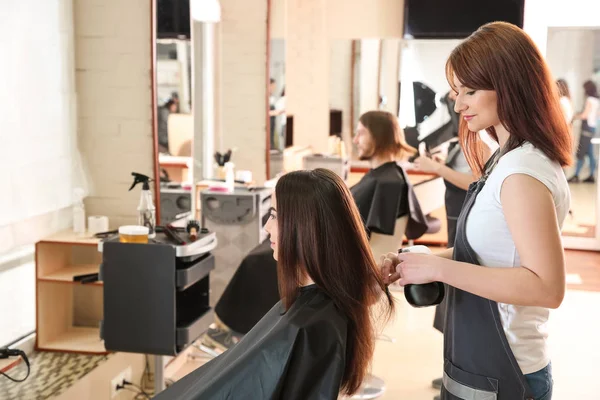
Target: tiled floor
(51, 374)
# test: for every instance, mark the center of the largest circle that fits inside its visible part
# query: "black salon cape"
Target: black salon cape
(385, 194)
(299, 355)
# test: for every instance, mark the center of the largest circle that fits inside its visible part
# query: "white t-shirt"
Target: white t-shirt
(567, 108)
(489, 236)
(594, 114)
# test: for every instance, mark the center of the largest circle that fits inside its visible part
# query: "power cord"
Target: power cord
(6, 352)
(135, 391)
(147, 376)
(141, 391)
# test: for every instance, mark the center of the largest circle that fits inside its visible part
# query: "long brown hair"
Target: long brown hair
(501, 57)
(387, 134)
(321, 235)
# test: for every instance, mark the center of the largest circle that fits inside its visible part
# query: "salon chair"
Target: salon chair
(383, 244)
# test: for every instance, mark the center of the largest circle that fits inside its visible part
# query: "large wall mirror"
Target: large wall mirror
(279, 131)
(404, 77)
(573, 55)
(363, 76)
(174, 116)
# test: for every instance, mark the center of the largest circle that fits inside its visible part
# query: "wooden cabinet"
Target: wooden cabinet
(68, 313)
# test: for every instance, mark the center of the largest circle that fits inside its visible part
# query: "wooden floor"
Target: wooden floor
(583, 270)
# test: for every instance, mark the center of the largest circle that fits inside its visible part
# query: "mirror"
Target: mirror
(277, 132)
(173, 97)
(573, 55)
(354, 85)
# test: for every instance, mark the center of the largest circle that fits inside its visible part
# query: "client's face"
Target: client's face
(364, 142)
(271, 227)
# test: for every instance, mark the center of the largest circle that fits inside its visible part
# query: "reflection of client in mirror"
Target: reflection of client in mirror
(320, 338)
(163, 123)
(276, 113)
(252, 290)
(589, 117)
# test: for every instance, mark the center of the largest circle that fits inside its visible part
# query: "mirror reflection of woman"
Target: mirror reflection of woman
(589, 120)
(566, 103)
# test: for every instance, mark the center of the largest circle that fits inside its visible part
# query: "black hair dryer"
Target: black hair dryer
(426, 294)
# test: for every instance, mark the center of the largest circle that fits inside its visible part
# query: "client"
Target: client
(318, 341)
(382, 195)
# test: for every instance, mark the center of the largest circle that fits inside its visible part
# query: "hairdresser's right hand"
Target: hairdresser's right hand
(388, 267)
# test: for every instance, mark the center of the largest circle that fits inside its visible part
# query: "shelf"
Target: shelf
(66, 274)
(69, 237)
(76, 340)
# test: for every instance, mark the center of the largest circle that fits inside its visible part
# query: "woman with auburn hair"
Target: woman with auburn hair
(318, 341)
(507, 267)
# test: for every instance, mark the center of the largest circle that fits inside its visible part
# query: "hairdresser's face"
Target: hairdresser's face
(271, 227)
(364, 142)
(479, 108)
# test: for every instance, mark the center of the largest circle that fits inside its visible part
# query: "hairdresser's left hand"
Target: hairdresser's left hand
(417, 268)
(427, 164)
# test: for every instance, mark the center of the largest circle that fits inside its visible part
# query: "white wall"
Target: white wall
(278, 19)
(356, 19)
(307, 77)
(242, 89)
(39, 163)
(37, 99)
(389, 72)
(369, 75)
(541, 14)
(113, 41)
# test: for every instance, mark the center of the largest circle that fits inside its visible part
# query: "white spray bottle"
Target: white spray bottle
(146, 209)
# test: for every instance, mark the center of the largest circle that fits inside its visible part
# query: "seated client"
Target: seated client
(318, 341)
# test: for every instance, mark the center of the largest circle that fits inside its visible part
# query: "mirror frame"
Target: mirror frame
(267, 80)
(154, 102)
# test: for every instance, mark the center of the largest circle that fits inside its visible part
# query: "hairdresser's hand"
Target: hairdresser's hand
(417, 268)
(428, 165)
(387, 266)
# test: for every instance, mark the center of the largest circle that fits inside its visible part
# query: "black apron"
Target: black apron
(478, 361)
(453, 200)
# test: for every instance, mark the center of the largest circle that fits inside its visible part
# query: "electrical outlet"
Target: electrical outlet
(124, 375)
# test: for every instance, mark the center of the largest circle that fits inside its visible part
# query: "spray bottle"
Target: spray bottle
(146, 209)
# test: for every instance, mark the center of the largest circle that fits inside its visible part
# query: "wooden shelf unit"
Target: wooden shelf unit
(68, 313)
